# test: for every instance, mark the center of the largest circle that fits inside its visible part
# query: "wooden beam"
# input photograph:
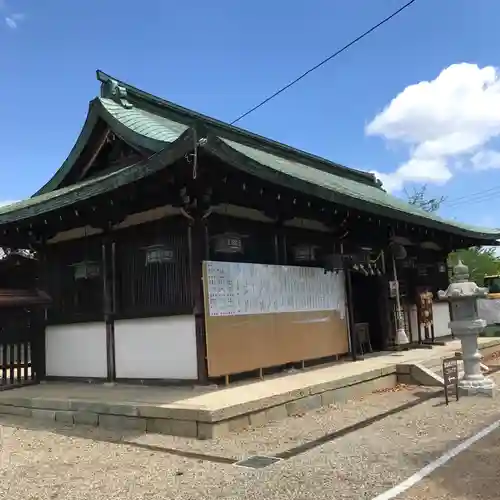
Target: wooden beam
(100, 145)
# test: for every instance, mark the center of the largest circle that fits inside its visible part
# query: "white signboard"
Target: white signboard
(236, 289)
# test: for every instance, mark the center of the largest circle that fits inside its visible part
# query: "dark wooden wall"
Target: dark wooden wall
(139, 290)
(152, 289)
(73, 300)
(159, 289)
(423, 268)
(262, 242)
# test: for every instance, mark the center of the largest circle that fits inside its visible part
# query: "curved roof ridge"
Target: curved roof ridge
(262, 142)
(98, 110)
(108, 181)
(76, 150)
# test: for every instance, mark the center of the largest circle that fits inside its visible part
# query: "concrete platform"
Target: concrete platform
(409, 372)
(210, 412)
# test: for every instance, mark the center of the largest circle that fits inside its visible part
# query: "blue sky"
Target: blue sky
(223, 57)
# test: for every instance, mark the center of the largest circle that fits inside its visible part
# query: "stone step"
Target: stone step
(194, 422)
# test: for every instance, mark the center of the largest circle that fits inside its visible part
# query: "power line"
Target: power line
(475, 193)
(472, 198)
(476, 197)
(323, 62)
(474, 201)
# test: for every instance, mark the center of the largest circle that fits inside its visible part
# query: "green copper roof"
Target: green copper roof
(129, 97)
(68, 196)
(157, 125)
(333, 188)
(138, 127)
(144, 123)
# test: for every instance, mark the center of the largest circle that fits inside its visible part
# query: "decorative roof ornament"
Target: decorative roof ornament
(112, 90)
(460, 272)
(461, 287)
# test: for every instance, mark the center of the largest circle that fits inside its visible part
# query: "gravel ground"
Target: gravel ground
(472, 474)
(46, 461)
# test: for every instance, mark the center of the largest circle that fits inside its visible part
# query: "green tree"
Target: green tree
(481, 261)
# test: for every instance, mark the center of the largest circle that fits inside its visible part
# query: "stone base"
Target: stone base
(484, 387)
(191, 421)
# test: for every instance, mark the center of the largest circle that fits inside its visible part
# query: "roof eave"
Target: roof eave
(225, 153)
(64, 197)
(82, 140)
(97, 111)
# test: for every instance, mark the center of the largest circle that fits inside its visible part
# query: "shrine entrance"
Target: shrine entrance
(367, 290)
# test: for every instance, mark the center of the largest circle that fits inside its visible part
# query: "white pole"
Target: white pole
(401, 337)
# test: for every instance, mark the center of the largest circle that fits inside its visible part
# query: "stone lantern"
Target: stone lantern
(465, 324)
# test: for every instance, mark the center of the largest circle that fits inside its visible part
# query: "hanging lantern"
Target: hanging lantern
(398, 251)
(304, 253)
(228, 243)
(159, 254)
(442, 267)
(422, 269)
(86, 270)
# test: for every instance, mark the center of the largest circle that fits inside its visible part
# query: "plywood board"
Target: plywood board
(243, 342)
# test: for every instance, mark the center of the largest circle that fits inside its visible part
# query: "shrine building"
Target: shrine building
(177, 248)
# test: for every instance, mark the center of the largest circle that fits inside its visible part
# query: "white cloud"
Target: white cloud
(10, 23)
(442, 123)
(486, 160)
(13, 20)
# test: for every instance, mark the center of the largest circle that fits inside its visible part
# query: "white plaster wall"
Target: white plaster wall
(441, 313)
(489, 310)
(156, 348)
(441, 317)
(413, 323)
(77, 350)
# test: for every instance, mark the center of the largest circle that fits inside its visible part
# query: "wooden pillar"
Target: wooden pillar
(198, 248)
(37, 342)
(280, 246)
(384, 303)
(39, 317)
(108, 307)
(276, 247)
(350, 314)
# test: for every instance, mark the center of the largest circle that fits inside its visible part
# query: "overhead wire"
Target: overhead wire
(473, 198)
(323, 62)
